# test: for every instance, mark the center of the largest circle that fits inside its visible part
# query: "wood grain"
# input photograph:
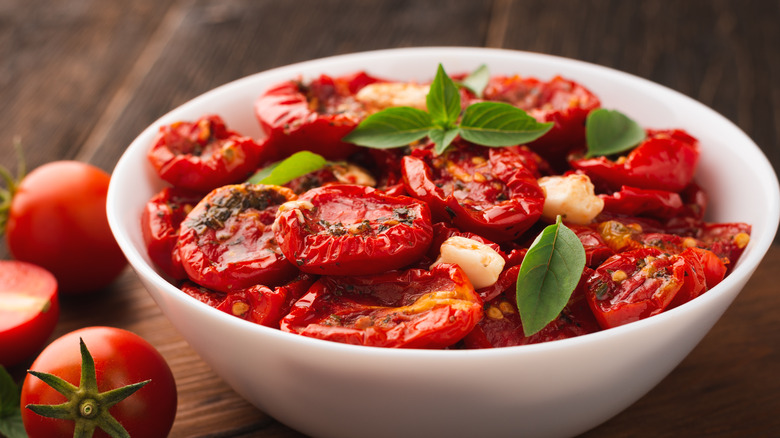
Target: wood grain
(80, 79)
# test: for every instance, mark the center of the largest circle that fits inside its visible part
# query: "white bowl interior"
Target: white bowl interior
(329, 389)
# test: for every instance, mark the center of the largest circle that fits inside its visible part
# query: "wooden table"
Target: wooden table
(80, 79)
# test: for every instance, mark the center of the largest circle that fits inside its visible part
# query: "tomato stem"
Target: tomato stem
(12, 183)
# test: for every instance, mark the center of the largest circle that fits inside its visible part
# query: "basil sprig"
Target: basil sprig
(284, 171)
(610, 132)
(550, 272)
(492, 124)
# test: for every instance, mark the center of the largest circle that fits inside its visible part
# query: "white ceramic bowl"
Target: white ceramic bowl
(562, 388)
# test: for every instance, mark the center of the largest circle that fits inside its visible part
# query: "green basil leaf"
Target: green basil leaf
(550, 272)
(477, 80)
(12, 426)
(442, 138)
(391, 128)
(9, 393)
(282, 172)
(500, 124)
(10, 414)
(443, 100)
(610, 132)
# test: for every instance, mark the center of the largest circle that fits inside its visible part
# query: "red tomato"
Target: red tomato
(502, 326)
(596, 249)
(632, 201)
(563, 102)
(487, 191)
(58, 221)
(727, 240)
(634, 285)
(121, 358)
(259, 304)
(204, 154)
(313, 116)
(353, 230)
(705, 270)
(666, 160)
(160, 223)
(409, 309)
(29, 308)
(226, 242)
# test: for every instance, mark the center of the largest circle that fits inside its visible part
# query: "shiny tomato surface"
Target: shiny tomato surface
(349, 229)
(226, 242)
(406, 309)
(121, 358)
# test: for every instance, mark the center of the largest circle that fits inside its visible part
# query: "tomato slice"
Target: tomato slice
(204, 154)
(408, 309)
(487, 191)
(502, 327)
(348, 229)
(29, 309)
(665, 160)
(226, 242)
(160, 223)
(634, 285)
(632, 201)
(563, 102)
(258, 304)
(312, 116)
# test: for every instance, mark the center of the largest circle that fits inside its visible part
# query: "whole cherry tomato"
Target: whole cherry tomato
(160, 223)
(29, 308)
(407, 309)
(204, 154)
(561, 101)
(58, 221)
(226, 242)
(665, 160)
(121, 358)
(349, 229)
(487, 191)
(312, 116)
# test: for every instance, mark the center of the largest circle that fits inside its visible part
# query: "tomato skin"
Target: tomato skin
(297, 116)
(353, 230)
(226, 242)
(563, 102)
(29, 309)
(502, 326)
(408, 309)
(258, 304)
(121, 358)
(665, 160)
(632, 201)
(499, 204)
(650, 282)
(160, 223)
(204, 154)
(58, 221)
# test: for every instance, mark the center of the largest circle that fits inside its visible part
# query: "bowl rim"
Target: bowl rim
(742, 270)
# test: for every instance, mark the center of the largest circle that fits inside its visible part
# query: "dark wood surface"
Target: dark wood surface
(80, 79)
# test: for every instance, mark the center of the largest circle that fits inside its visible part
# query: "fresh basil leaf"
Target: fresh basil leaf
(11, 425)
(442, 138)
(443, 100)
(9, 393)
(550, 272)
(500, 124)
(610, 132)
(477, 80)
(282, 172)
(391, 128)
